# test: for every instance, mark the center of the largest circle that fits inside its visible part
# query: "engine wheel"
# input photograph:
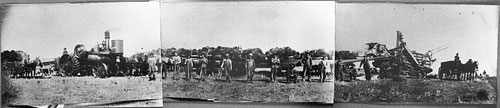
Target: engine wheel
(71, 67)
(75, 66)
(100, 70)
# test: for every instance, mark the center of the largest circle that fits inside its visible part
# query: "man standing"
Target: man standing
(65, 52)
(152, 67)
(203, 68)
(189, 66)
(274, 68)
(227, 66)
(250, 67)
(339, 70)
(307, 61)
(164, 70)
(366, 67)
(322, 68)
(177, 61)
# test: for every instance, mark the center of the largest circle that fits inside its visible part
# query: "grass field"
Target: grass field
(66, 90)
(416, 91)
(258, 91)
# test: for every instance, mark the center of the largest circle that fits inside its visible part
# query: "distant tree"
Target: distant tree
(345, 55)
(183, 52)
(256, 52)
(168, 52)
(283, 52)
(11, 56)
(317, 53)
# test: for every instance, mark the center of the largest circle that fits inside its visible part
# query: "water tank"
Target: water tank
(117, 46)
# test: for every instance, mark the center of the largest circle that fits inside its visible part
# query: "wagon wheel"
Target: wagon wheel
(384, 70)
(100, 70)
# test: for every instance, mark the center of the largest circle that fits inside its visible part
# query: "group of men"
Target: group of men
(227, 67)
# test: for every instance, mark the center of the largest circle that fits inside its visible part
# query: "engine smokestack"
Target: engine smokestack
(106, 38)
(399, 38)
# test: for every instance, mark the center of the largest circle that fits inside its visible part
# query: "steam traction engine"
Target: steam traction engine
(104, 60)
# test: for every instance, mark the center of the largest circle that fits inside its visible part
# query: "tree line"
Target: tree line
(282, 52)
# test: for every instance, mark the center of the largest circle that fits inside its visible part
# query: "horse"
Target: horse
(469, 70)
(457, 70)
(30, 66)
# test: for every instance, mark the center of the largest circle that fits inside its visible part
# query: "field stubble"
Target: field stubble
(66, 90)
(258, 91)
(416, 91)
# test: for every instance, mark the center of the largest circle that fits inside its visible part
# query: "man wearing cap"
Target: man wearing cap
(227, 66)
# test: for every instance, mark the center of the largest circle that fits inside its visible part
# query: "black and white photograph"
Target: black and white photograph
(280, 51)
(416, 53)
(58, 54)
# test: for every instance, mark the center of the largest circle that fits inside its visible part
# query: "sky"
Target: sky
(298, 24)
(43, 30)
(470, 30)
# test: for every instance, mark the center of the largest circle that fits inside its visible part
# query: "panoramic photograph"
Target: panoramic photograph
(70, 54)
(416, 53)
(248, 51)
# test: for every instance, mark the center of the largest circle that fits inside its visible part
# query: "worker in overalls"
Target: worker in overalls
(227, 66)
(177, 61)
(274, 68)
(203, 68)
(250, 67)
(322, 70)
(189, 66)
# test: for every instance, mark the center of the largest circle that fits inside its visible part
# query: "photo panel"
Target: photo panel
(80, 53)
(416, 53)
(278, 51)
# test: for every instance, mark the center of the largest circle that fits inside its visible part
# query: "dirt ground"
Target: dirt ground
(258, 91)
(416, 91)
(67, 90)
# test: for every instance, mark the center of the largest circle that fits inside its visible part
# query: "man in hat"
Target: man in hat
(65, 52)
(227, 66)
(203, 68)
(307, 61)
(322, 69)
(274, 68)
(366, 67)
(250, 67)
(177, 61)
(189, 66)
